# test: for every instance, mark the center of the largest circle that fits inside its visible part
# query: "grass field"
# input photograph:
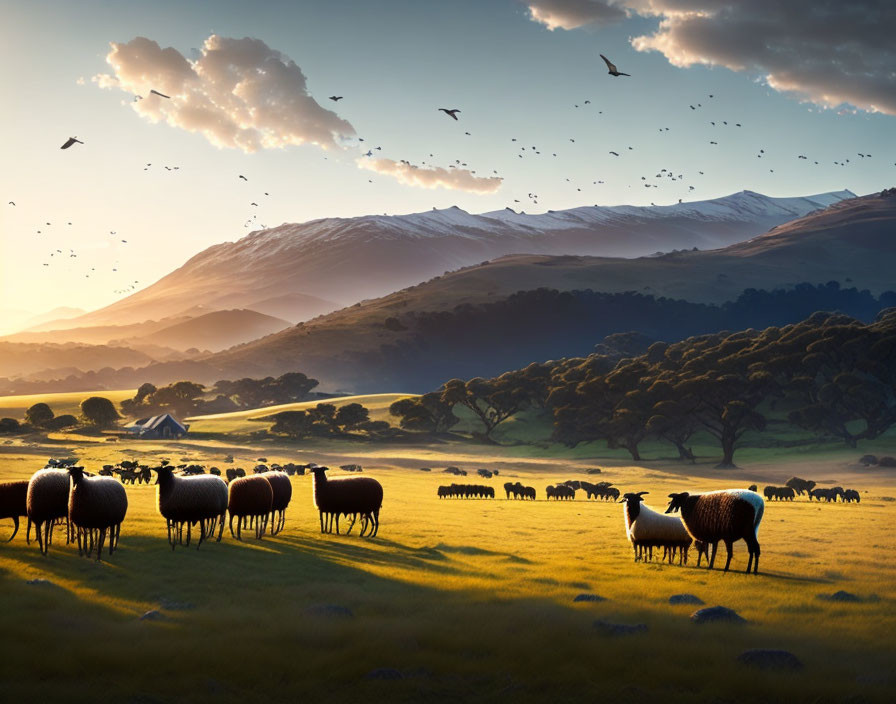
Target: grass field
(467, 600)
(68, 402)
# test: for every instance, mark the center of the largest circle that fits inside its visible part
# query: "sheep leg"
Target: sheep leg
(99, 544)
(376, 524)
(352, 524)
(220, 527)
(201, 534)
(730, 548)
(712, 557)
(753, 547)
(15, 522)
(230, 522)
(47, 528)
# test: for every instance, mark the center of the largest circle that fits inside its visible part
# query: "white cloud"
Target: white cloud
(238, 93)
(431, 176)
(572, 14)
(827, 52)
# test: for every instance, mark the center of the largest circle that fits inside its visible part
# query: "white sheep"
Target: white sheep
(647, 529)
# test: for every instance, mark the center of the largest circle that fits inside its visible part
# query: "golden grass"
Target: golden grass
(61, 403)
(470, 600)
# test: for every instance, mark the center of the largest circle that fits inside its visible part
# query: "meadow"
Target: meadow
(455, 599)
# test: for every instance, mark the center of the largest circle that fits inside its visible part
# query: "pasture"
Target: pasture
(469, 600)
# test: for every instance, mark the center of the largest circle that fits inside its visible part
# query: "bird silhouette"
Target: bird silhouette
(614, 153)
(336, 98)
(11, 203)
(70, 141)
(613, 71)
(161, 95)
(243, 177)
(451, 113)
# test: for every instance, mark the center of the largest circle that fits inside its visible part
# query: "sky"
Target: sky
(249, 87)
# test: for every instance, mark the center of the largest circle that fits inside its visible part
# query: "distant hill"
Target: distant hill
(217, 331)
(324, 264)
(26, 360)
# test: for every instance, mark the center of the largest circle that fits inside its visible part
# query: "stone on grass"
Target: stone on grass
(685, 599)
(589, 597)
(717, 614)
(608, 628)
(841, 595)
(766, 659)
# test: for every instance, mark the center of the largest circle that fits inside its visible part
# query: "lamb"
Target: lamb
(188, 500)
(14, 503)
(353, 496)
(282, 488)
(46, 503)
(250, 498)
(96, 505)
(727, 515)
(647, 529)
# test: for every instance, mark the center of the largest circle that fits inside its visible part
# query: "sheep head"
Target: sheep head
(677, 501)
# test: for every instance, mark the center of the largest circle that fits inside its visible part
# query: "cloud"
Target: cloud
(431, 176)
(572, 14)
(238, 93)
(827, 52)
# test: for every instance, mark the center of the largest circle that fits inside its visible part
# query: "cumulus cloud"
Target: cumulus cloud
(827, 52)
(238, 93)
(572, 14)
(431, 176)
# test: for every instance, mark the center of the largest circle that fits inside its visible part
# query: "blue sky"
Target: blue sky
(395, 63)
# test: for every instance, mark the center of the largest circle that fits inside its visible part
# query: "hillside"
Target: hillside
(24, 359)
(217, 330)
(323, 264)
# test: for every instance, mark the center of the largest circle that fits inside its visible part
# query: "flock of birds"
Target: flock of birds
(664, 175)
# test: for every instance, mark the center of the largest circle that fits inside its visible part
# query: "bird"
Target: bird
(336, 98)
(243, 177)
(161, 95)
(614, 153)
(452, 113)
(70, 141)
(11, 203)
(613, 71)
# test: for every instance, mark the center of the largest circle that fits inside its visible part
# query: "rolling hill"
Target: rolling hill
(299, 271)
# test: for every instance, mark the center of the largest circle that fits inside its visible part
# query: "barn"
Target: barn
(161, 426)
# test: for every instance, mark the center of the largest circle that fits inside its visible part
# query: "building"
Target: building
(161, 426)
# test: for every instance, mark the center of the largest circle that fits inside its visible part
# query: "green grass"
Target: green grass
(470, 600)
(68, 402)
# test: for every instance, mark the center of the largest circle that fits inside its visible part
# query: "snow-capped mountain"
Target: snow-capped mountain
(337, 261)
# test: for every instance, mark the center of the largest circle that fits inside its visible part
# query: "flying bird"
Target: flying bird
(336, 98)
(11, 203)
(614, 153)
(70, 141)
(613, 71)
(451, 113)
(161, 95)
(243, 177)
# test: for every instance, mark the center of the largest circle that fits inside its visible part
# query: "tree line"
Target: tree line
(837, 375)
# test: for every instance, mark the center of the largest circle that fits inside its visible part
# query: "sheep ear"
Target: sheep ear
(641, 493)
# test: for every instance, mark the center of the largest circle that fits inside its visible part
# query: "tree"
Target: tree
(292, 387)
(351, 416)
(324, 417)
(64, 421)
(426, 413)
(179, 397)
(293, 424)
(39, 415)
(9, 426)
(145, 390)
(99, 411)
(491, 401)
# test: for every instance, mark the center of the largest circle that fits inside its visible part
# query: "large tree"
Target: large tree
(492, 401)
(99, 411)
(39, 415)
(427, 413)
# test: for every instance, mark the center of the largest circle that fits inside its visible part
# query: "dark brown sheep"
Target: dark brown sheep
(282, 488)
(355, 496)
(14, 503)
(250, 500)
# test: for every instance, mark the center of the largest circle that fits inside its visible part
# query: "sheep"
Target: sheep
(752, 487)
(727, 515)
(96, 505)
(800, 486)
(189, 500)
(250, 498)
(282, 488)
(14, 503)
(46, 503)
(353, 496)
(849, 496)
(647, 529)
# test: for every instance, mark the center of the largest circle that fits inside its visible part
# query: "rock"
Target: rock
(40, 582)
(384, 673)
(770, 659)
(619, 629)
(329, 611)
(717, 614)
(589, 597)
(844, 596)
(153, 615)
(685, 599)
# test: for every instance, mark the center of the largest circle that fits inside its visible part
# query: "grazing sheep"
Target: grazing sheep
(46, 503)
(849, 496)
(355, 496)
(800, 486)
(185, 501)
(14, 503)
(728, 515)
(96, 505)
(778, 493)
(282, 488)
(350, 467)
(647, 529)
(250, 498)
